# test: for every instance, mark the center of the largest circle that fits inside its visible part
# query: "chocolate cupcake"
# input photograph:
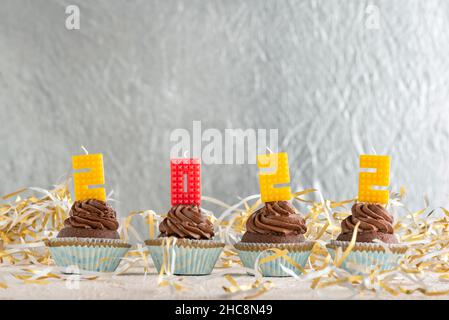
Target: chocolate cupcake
(189, 234)
(375, 241)
(89, 239)
(275, 222)
(275, 225)
(186, 222)
(91, 219)
(375, 224)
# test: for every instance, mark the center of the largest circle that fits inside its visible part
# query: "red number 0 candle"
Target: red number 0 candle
(185, 181)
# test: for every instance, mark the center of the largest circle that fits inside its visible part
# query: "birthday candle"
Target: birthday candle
(278, 173)
(94, 176)
(379, 178)
(185, 181)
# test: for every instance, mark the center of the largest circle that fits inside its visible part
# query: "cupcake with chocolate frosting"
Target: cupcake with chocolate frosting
(91, 219)
(186, 222)
(89, 240)
(375, 241)
(275, 225)
(375, 224)
(275, 222)
(186, 235)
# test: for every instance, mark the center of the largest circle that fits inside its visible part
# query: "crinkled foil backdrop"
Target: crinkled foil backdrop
(136, 70)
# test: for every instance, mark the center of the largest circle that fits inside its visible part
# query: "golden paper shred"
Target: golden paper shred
(427, 237)
(27, 221)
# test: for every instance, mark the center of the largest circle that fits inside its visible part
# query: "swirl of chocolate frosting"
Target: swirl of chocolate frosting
(92, 214)
(186, 221)
(278, 217)
(372, 218)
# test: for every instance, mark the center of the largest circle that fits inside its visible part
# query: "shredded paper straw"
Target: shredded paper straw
(30, 216)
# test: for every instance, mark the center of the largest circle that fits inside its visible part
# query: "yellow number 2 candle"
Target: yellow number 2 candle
(279, 174)
(379, 178)
(94, 176)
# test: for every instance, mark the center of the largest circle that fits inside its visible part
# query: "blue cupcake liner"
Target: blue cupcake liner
(188, 257)
(250, 252)
(89, 254)
(365, 256)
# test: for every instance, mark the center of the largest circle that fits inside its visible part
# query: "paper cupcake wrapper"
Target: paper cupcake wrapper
(250, 252)
(97, 255)
(186, 257)
(365, 256)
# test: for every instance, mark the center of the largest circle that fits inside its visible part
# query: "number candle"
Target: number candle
(379, 178)
(94, 176)
(185, 181)
(278, 174)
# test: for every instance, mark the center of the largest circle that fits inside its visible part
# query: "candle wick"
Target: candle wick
(269, 150)
(84, 149)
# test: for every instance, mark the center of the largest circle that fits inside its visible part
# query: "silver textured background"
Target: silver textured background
(139, 69)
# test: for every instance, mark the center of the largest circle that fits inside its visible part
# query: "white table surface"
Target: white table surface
(135, 285)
